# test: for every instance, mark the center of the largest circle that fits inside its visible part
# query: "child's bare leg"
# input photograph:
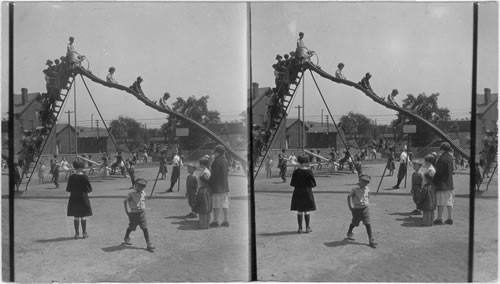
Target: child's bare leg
(370, 236)
(299, 221)
(308, 218)
(216, 216)
(84, 227)
(225, 211)
(440, 212)
(449, 221)
(349, 232)
(76, 223)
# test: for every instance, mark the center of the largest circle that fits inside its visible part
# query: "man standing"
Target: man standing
(403, 162)
(219, 186)
(443, 180)
(176, 169)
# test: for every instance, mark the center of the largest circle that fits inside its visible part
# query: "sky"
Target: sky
(201, 49)
(181, 48)
(413, 47)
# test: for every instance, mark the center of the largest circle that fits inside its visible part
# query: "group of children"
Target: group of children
(422, 191)
(303, 200)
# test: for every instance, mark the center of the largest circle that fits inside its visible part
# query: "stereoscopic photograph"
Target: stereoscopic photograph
(249, 141)
(130, 142)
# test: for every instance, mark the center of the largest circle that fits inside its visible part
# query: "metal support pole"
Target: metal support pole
(74, 112)
(407, 157)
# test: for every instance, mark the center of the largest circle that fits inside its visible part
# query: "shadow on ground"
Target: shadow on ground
(60, 239)
(282, 233)
(344, 242)
(121, 246)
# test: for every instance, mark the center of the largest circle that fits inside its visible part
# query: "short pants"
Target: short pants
(360, 214)
(137, 219)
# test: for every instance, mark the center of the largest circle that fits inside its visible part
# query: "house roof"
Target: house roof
(260, 95)
(481, 108)
(19, 108)
(84, 131)
(481, 97)
(318, 128)
(18, 99)
(452, 125)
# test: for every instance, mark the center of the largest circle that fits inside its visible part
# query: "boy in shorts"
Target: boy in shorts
(136, 200)
(359, 209)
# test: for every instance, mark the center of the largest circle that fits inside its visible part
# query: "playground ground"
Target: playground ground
(46, 252)
(406, 251)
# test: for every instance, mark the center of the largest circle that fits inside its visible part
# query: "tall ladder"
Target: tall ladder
(292, 88)
(56, 110)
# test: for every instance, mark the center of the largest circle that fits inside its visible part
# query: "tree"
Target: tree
(127, 131)
(358, 127)
(426, 107)
(196, 109)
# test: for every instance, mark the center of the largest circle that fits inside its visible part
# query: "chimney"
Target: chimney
(487, 96)
(24, 96)
(255, 89)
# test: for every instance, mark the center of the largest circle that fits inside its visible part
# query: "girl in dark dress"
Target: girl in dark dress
(79, 203)
(390, 162)
(303, 198)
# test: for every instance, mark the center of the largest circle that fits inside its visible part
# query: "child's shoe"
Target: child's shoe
(299, 231)
(449, 222)
(350, 236)
(150, 247)
(372, 243)
(76, 236)
(126, 241)
(85, 235)
(214, 224)
(308, 230)
(438, 222)
(191, 215)
(416, 212)
(225, 224)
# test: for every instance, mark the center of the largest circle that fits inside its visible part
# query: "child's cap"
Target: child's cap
(365, 178)
(429, 158)
(141, 181)
(204, 162)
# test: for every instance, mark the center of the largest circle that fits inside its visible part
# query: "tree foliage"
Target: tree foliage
(196, 109)
(426, 107)
(357, 126)
(128, 131)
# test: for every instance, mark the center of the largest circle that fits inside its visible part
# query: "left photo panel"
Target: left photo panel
(125, 127)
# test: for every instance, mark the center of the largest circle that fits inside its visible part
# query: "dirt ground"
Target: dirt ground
(406, 252)
(45, 250)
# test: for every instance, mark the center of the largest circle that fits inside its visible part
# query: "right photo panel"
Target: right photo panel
(362, 135)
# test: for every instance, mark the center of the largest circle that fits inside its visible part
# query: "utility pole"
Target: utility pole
(97, 125)
(327, 125)
(298, 124)
(327, 129)
(69, 130)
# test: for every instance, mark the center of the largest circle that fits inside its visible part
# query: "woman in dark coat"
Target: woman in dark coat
(79, 203)
(303, 198)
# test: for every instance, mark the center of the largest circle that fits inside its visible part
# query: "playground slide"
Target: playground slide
(319, 156)
(379, 100)
(151, 104)
(92, 162)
